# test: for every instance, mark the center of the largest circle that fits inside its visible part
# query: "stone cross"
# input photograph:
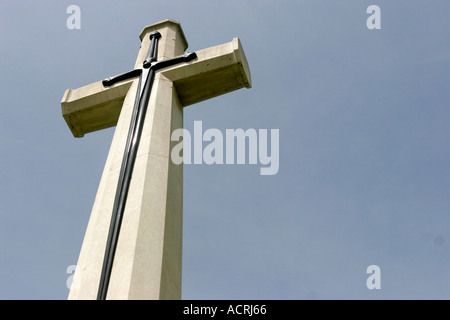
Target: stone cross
(148, 253)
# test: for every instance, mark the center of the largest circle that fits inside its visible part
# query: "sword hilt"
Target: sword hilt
(152, 53)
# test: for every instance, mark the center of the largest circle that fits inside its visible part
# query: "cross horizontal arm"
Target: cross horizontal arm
(93, 107)
(216, 71)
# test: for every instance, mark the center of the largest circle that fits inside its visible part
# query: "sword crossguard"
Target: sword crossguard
(188, 56)
(150, 62)
(120, 77)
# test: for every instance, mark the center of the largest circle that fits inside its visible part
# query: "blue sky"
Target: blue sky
(364, 147)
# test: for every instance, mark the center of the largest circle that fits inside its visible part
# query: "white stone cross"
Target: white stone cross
(147, 261)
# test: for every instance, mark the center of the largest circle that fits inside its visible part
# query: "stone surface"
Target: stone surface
(216, 71)
(148, 260)
(93, 107)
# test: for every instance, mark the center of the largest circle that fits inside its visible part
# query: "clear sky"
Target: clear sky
(363, 117)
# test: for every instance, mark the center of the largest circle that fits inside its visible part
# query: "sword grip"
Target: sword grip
(153, 50)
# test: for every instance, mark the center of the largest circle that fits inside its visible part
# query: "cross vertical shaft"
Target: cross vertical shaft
(147, 258)
(144, 249)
